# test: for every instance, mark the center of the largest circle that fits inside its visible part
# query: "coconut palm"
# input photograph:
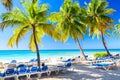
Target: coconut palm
(98, 19)
(33, 20)
(7, 4)
(117, 30)
(68, 24)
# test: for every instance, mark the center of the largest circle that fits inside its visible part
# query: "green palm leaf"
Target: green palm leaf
(117, 30)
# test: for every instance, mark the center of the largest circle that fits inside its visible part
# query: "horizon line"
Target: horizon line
(56, 49)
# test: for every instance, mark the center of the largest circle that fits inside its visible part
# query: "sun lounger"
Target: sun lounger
(32, 62)
(8, 74)
(100, 59)
(34, 71)
(45, 69)
(117, 56)
(86, 56)
(104, 65)
(78, 56)
(22, 72)
(68, 65)
(13, 62)
(53, 69)
(104, 59)
(21, 65)
(68, 60)
(65, 67)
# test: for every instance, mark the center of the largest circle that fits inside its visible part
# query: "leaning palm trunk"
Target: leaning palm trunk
(37, 50)
(83, 55)
(103, 40)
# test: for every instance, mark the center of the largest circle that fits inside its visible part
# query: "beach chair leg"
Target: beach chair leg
(15, 78)
(57, 71)
(73, 68)
(48, 73)
(64, 70)
(28, 76)
(2, 78)
(106, 68)
(39, 75)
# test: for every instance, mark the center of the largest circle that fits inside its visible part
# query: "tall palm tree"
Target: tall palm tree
(8, 4)
(117, 30)
(98, 19)
(32, 19)
(68, 23)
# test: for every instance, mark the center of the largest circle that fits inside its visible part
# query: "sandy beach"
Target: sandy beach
(86, 72)
(83, 71)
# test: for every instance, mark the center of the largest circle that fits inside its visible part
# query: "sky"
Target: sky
(50, 43)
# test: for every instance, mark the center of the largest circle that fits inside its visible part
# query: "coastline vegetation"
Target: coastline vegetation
(100, 54)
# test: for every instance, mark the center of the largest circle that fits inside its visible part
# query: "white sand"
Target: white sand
(84, 72)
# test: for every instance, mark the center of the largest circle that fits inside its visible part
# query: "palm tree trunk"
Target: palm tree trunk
(37, 50)
(103, 40)
(83, 55)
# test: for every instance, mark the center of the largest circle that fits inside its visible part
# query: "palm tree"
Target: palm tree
(117, 30)
(7, 4)
(98, 20)
(32, 19)
(68, 24)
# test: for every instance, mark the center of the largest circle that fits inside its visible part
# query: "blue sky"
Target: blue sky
(49, 43)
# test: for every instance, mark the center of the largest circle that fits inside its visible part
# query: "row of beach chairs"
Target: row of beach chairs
(27, 72)
(105, 63)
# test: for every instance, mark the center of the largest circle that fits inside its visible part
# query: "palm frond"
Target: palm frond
(18, 34)
(98, 19)
(117, 30)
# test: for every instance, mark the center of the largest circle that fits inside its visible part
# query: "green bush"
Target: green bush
(100, 54)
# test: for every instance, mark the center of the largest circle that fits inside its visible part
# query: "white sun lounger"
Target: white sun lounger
(104, 65)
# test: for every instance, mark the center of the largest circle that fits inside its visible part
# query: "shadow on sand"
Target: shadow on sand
(83, 72)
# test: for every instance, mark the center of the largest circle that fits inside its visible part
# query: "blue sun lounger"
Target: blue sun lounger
(22, 72)
(35, 71)
(8, 74)
(103, 65)
(63, 68)
(13, 62)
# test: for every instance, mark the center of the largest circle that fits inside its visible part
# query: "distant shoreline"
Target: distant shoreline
(61, 49)
(26, 55)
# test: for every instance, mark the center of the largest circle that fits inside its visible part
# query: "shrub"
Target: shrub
(100, 54)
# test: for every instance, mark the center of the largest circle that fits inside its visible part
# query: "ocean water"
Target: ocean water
(26, 55)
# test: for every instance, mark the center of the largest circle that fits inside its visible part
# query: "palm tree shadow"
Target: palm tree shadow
(83, 72)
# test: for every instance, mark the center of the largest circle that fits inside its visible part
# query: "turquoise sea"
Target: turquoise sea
(26, 55)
